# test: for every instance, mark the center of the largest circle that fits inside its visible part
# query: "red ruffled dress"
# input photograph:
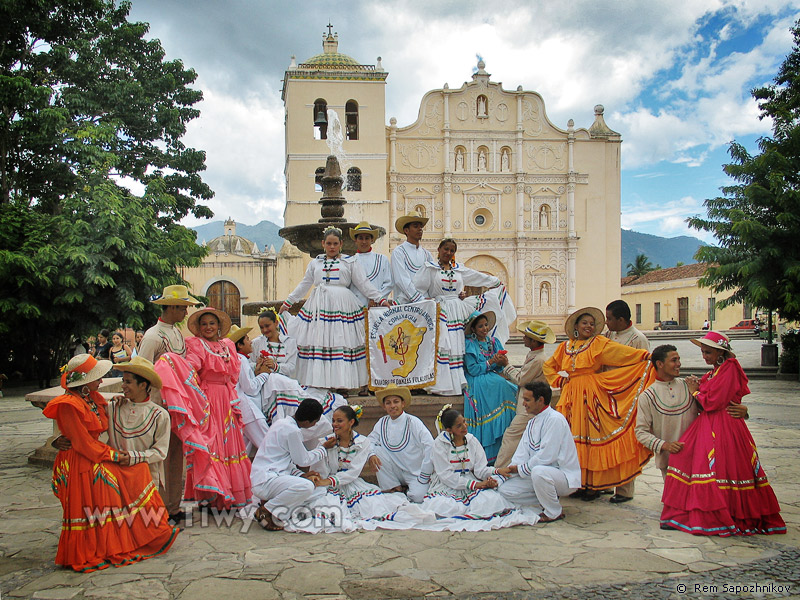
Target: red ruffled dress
(113, 515)
(228, 482)
(716, 484)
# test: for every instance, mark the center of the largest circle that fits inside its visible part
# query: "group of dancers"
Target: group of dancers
(195, 411)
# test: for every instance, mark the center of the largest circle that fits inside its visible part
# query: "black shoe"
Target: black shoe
(579, 493)
(606, 492)
(588, 496)
(177, 519)
(666, 526)
(617, 499)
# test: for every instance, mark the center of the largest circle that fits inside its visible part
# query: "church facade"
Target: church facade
(533, 203)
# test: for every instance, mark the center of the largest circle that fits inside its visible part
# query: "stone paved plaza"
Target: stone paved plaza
(600, 551)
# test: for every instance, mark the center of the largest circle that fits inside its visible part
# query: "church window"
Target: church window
(351, 119)
(353, 179)
(320, 119)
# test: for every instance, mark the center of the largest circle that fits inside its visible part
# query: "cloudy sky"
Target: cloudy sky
(674, 77)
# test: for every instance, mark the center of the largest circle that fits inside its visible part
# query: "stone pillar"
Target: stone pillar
(448, 232)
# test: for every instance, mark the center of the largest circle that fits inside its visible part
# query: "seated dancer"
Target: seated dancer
(93, 482)
(350, 502)
(248, 389)
(402, 446)
(278, 348)
(135, 423)
(546, 459)
(462, 484)
(276, 477)
(490, 401)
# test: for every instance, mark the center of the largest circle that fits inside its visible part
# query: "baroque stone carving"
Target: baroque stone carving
(501, 112)
(432, 117)
(546, 156)
(507, 224)
(457, 224)
(462, 111)
(531, 119)
(418, 155)
(507, 189)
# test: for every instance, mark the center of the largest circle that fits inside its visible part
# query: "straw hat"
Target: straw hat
(364, 227)
(176, 295)
(599, 320)
(83, 369)
(142, 367)
(394, 390)
(237, 333)
(412, 217)
(224, 321)
(714, 339)
(490, 317)
(537, 330)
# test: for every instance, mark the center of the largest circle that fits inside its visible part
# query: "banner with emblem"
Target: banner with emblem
(401, 345)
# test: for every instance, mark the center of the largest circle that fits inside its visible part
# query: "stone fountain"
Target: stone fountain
(308, 237)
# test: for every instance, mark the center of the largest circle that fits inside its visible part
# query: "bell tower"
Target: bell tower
(356, 93)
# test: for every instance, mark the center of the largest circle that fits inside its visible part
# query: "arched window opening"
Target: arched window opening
(318, 178)
(353, 179)
(351, 119)
(320, 119)
(224, 295)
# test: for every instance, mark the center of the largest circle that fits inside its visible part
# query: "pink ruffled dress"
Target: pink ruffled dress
(227, 482)
(716, 484)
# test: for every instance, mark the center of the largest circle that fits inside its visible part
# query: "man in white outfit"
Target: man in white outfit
(546, 459)
(537, 334)
(408, 258)
(277, 477)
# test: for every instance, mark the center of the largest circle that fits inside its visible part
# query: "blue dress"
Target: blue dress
(490, 401)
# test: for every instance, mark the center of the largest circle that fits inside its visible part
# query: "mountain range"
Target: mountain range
(666, 252)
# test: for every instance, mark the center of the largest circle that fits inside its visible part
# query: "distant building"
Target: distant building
(236, 271)
(533, 203)
(674, 294)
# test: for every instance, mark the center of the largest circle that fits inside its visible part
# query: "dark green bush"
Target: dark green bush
(790, 355)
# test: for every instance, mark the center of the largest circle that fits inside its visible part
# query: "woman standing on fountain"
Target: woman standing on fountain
(329, 330)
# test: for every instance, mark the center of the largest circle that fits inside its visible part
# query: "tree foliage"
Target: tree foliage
(641, 265)
(90, 110)
(757, 220)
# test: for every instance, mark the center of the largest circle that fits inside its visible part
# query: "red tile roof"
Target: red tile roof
(695, 270)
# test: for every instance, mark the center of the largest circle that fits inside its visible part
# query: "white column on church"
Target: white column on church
(520, 301)
(571, 179)
(572, 250)
(448, 232)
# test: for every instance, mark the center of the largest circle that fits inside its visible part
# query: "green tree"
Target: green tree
(90, 109)
(757, 220)
(641, 265)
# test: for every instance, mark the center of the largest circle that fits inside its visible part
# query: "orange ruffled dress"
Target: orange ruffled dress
(113, 515)
(600, 407)
(217, 365)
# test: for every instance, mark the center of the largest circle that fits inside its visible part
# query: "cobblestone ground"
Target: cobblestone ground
(599, 550)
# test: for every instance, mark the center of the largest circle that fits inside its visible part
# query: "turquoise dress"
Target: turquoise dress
(490, 401)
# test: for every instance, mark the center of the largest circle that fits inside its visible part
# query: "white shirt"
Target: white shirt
(248, 388)
(284, 352)
(631, 337)
(440, 284)
(462, 467)
(406, 442)
(344, 465)
(378, 271)
(282, 451)
(548, 441)
(142, 429)
(407, 259)
(344, 271)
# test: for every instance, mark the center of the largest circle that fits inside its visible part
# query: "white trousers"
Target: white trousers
(390, 475)
(254, 433)
(283, 494)
(542, 488)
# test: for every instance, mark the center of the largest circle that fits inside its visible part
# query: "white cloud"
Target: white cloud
(665, 220)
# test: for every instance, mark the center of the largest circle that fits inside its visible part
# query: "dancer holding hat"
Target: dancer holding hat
(97, 484)
(536, 335)
(217, 363)
(408, 257)
(716, 484)
(490, 401)
(600, 406)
